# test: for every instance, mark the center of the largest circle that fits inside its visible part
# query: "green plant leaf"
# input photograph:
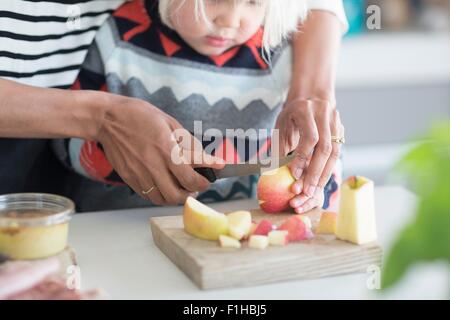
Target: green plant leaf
(427, 238)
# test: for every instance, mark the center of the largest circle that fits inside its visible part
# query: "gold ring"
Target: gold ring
(340, 140)
(148, 191)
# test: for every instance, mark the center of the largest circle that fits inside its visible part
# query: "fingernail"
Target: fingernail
(298, 173)
(295, 203)
(311, 191)
(297, 188)
(299, 209)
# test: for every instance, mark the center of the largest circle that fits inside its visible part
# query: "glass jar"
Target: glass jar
(34, 225)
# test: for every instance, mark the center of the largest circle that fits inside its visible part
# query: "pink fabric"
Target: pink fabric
(37, 280)
(53, 288)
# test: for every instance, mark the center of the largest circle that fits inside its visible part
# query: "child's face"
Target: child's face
(233, 22)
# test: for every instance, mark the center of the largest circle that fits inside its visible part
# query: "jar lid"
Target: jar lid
(34, 209)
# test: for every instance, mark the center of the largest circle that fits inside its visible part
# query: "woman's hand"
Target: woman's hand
(309, 118)
(302, 203)
(140, 142)
(307, 126)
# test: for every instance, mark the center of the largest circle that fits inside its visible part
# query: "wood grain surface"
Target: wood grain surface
(209, 266)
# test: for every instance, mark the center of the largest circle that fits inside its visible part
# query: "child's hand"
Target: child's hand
(307, 126)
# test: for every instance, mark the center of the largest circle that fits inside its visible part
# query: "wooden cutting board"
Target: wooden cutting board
(209, 266)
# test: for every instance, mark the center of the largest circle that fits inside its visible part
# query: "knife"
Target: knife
(242, 169)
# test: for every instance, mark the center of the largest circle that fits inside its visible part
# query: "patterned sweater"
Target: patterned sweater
(135, 54)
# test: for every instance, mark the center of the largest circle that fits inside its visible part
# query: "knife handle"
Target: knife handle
(208, 173)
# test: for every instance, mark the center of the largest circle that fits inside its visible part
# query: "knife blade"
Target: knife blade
(244, 169)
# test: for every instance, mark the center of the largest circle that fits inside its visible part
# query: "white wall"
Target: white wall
(391, 87)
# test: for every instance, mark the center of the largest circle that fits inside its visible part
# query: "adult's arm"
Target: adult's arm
(309, 118)
(32, 112)
(136, 136)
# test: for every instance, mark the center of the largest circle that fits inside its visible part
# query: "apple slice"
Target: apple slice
(202, 221)
(296, 229)
(258, 242)
(239, 223)
(278, 237)
(327, 223)
(229, 242)
(356, 218)
(263, 228)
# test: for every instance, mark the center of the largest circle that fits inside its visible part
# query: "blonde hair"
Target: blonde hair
(281, 19)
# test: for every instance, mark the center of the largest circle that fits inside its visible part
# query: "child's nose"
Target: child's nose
(229, 19)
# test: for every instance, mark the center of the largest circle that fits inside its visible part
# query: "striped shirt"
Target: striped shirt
(44, 43)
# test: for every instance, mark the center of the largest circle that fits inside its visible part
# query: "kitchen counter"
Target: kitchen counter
(115, 251)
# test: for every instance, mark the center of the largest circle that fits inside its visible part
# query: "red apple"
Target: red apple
(296, 228)
(263, 228)
(274, 190)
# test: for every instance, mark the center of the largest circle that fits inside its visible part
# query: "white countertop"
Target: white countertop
(116, 252)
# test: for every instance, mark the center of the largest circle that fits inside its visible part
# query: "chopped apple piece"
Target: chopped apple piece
(202, 221)
(309, 234)
(252, 228)
(278, 237)
(250, 232)
(327, 223)
(296, 229)
(306, 220)
(239, 223)
(263, 228)
(229, 242)
(258, 242)
(356, 218)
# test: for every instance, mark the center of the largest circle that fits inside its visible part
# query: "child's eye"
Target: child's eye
(254, 2)
(249, 2)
